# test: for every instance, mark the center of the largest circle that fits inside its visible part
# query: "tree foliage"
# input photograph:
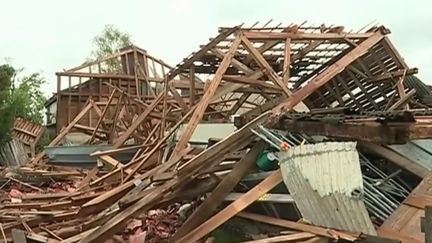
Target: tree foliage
(109, 41)
(19, 97)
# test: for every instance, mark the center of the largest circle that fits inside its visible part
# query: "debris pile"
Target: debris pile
(308, 130)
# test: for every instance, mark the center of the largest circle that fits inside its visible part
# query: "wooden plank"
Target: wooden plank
(239, 103)
(63, 132)
(192, 85)
(284, 238)
(332, 234)
(287, 62)
(206, 209)
(231, 210)
(179, 99)
(420, 201)
(331, 71)
(202, 105)
(388, 76)
(117, 222)
(254, 35)
(159, 144)
(369, 132)
(114, 163)
(252, 82)
(403, 100)
(397, 235)
(428, 226)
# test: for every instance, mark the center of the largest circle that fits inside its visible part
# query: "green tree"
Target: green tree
(19, 97)
(7, 73)
(109, 41)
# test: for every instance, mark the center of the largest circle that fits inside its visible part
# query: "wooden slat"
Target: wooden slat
(287, 62)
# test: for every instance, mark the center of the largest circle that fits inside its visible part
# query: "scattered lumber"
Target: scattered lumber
(164, 165)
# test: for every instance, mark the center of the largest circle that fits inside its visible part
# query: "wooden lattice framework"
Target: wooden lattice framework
(257, 73)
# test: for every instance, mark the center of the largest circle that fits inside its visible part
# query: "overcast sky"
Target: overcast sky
(49, 35)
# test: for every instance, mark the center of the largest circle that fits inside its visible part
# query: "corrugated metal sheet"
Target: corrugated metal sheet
(418, 151)
(325, 181)
(80, 155)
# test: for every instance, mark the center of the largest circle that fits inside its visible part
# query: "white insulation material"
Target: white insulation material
(326, 183)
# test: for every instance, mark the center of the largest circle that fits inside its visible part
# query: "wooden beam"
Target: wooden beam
(265, 65)
(120, 141)
(370, 132)
(428, 224)
(331, 71)
(403, 100)
(178, 98)
(331, 234)
(231, 210)
(159, 144)
(287, 62)
(392, 75)
(64, 132)
(252, 82)
(239, 103)
(101, 117)
(192, 86)
(206, 209)
(284, 238)
(304, 36)
(202, 105)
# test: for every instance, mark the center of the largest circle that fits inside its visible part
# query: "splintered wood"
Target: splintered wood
(173, 185)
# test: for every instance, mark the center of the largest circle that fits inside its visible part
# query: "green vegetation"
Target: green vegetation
(109, 41)
(19, 97)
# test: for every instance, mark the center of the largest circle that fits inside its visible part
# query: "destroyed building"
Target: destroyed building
(303, 133)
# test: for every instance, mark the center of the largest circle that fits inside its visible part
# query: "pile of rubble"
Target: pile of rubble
(303, 133)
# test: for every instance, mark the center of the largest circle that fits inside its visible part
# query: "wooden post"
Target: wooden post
(192, 85)
(428, 224)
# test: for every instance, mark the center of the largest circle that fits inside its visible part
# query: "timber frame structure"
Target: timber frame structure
(132, 69)
(257, 74)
